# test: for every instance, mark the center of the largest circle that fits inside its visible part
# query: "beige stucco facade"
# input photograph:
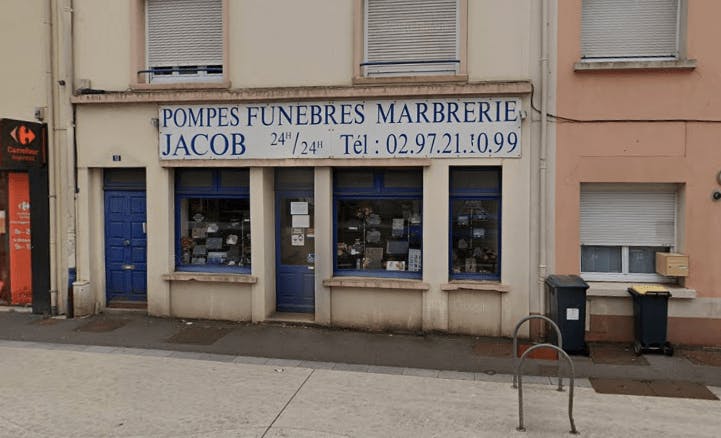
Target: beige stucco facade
(665, 129)
(310, 57)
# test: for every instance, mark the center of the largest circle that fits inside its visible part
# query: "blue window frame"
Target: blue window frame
(475, 223)
(378, 222)
(212, 218)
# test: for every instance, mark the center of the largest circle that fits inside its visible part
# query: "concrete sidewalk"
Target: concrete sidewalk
(463, 356)
(57, 390)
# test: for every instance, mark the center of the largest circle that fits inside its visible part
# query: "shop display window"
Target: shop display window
(378, 222)
(213, 220)
(475, 223)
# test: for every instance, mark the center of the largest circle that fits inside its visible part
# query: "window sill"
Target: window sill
(181, 86)
(210, 277)
(376, 283)
(475, 286)
(620, 290)
(415, 79)
(680, 64)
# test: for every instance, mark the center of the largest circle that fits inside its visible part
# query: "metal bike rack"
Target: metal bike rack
(515, 344)
(519, 375)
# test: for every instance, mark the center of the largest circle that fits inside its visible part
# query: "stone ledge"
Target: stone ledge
(323, 93)
(210, 277)
(300, 162)
(620, 290)
(376, 283)
(682, 64)
(475, 286)
(418, 79)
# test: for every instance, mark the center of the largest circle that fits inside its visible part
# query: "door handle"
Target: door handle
(127, 267)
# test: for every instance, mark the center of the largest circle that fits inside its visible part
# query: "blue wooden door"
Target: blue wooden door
(125, 245)
(295, 252)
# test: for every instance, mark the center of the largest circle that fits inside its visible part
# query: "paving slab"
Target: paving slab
(69, 394)
(105, 394)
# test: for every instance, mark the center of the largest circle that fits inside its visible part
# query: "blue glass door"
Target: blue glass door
(295, 252)
(125, 245)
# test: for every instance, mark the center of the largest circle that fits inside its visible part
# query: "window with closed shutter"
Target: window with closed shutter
(411, 37)
(623, 226)
(184, 39)
(630, 29)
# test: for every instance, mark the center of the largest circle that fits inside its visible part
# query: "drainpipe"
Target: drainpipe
(62, 169)
(52, 150)
(543, 165)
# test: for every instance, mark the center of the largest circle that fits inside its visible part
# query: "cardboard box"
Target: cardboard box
(672, 264)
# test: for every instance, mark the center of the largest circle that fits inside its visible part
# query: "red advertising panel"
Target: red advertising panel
(19, 248)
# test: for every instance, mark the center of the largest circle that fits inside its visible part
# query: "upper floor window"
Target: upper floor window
(184, 40)
(411, 37)
(630, 29)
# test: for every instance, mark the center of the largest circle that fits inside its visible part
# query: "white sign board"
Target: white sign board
(408, 128)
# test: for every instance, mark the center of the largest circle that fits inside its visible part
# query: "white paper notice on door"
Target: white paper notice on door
(572, 314)
(298, 208)
(297, 238)
(301, 221)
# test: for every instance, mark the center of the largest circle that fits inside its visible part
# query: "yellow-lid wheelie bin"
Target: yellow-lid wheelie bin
(650, 312)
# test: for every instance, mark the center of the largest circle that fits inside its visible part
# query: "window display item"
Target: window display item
(373, 258)
(398, 227)
(373, 236)
(471, 264)
(232, 239)
(213, 243)
(397, 247)
(373, 219)
(414, 260)
(395, 265)
(234, 253)
(213, 228)
(356, 248)
(199, 233)
(199, 250)
(217, 257)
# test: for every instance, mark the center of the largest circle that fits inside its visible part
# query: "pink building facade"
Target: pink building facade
(638, 160)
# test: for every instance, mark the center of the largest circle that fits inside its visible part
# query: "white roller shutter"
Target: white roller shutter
(184, 33)
(424, 32)
(630, 28)
(628, 218)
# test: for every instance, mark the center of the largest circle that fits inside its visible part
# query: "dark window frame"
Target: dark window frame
(215, 191)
